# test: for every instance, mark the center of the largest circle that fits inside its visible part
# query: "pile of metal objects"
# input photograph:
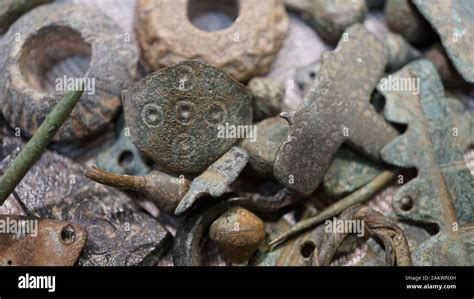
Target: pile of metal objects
(184, 149)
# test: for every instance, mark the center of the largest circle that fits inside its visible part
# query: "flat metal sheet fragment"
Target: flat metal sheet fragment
(216, 179)
(119, 234)
(336, 110)
(453, 20)
(26, 241)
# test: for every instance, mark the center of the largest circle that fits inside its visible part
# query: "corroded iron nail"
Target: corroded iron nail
(358, 196)
(237, 233)
(37, 144)
(337, 110)
(165, 190)
(43, 242)
(216, 179)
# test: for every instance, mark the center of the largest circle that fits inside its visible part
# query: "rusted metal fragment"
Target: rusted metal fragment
(453, 20)
(119, 233)
(337, 110)
(403, 18)
(167, 36)
(348, 172)
(392, 236)
(175, 114)
(442, 193)
(122, 157)
(10, 10)
(268, 96)
(329, 17)
(447, 249)
(49, 34)
(216, 179)
(39, 242)
(165, 190)
(237, 233)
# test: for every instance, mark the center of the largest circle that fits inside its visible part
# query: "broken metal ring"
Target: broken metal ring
(167, 35)
(45, 38)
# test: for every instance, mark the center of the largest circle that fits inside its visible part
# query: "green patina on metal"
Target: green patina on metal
(122, 157)
(453, 20)
(443, 191)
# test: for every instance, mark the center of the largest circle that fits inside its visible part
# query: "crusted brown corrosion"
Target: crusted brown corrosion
(238, 233)
(167, 36)
(337, 110)
(174, 115)
(454, 22)
(391, 235)
(46, 243)
(119, 234)
(49, 34)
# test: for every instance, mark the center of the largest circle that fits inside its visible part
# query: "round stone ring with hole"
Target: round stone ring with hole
(168, 33)
(49, 36)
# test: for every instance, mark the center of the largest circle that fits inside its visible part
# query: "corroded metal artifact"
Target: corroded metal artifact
(237, 233)
(165, 190)
(39, 242)
(122, 157)
(175, 115)
(454, 22)
(167, 36)
(49, 34)
(337, 110)
(216, 179)
(119, 234)
(443, 191)
(391, 235)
